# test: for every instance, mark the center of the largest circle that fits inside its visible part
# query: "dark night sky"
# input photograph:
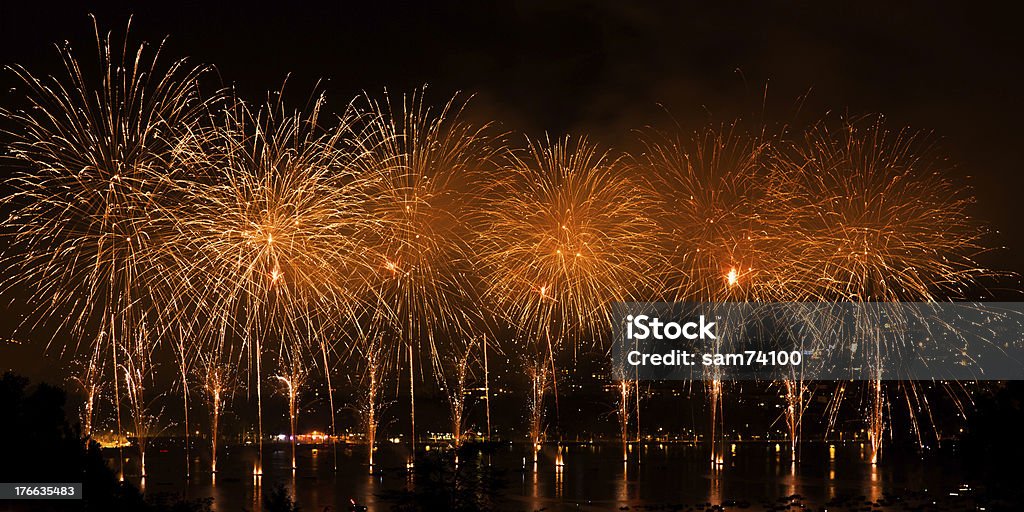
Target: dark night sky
(603, 68)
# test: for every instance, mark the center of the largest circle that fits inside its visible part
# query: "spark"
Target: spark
(731, 277)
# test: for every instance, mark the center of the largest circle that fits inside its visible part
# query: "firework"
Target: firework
(882, 224)
(794, 394)
(487, 387)
(90, 381)
(566, 232)
(369, 406)
(425, 159)
(721, 215)
(136, 365)
(269, 234)
(637, 395)
(539, 371)
(96, 149)
(292, 380)
(219, 380)
(721, 241)
(456, 389)
(624, 391)
(184, 358)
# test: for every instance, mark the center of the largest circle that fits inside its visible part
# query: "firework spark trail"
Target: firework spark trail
(293, 379)
(794, 394)
(539, 371)
(797, 392)
(426, 159)
(325, 350)
(624, 391)
(565, 234)
(136, 365)
(185, 356)
(456, 389)
(369, 406)
(89, 379)
(219, 381)
(883, 224)
(95, 149)
(487, 387)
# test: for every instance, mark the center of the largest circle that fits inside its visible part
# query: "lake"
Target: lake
(671, 476)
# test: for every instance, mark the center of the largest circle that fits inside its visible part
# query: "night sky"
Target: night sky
(607, 68)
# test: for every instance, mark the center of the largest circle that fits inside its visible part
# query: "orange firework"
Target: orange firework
(426, 160)
(97, 151)
(539, 372)
(882, 223)
(882, 220)
(89, 379)
(219, 381)
(137, 368)
(369, 406)
(292, 378)
(269, 232)
(724, 238)
(566, 232)
(457, 389)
